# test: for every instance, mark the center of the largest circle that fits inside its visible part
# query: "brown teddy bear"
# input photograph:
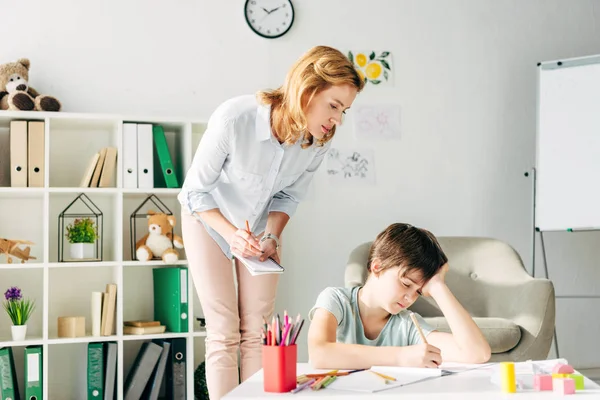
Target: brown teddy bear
(159, 241)
(15, 92)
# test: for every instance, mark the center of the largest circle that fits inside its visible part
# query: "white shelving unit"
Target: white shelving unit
(64, 288)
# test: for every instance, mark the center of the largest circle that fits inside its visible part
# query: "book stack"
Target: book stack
(101, 169)
(143, 327)
(103, 311)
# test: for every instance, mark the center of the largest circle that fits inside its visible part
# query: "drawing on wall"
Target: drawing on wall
(377, 121)
(351, 166)
(374, 68)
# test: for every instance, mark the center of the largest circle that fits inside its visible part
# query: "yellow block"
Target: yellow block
(560, 376)
(507, 377)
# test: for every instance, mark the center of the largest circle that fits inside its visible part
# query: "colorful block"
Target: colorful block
(561, 368)
(578, 381)
(507, 377)
(542, 382)
(563, 385)
(560, 375)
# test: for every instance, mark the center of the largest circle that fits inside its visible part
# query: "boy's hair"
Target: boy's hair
(316, 70)
(410, 248)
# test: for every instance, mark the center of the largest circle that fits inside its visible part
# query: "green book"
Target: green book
(95, 371)
(9, 387)
(171, 297)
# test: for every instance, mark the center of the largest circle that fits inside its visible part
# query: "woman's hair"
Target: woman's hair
(410, 248)
(318, 69)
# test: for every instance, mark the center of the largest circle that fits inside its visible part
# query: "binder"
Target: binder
(130, 174)
(35, 156)
(164, 157)
(154, 384)
(95, 371)
(170, 297)
(175, 371)
(140, 372)
(145, 166)
(4, 157)
(110, 370)
(9, 387)
(34, 386)
(18, 153)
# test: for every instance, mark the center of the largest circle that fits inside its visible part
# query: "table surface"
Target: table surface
(470, 384)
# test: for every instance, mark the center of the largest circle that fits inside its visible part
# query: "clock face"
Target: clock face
(269, 18)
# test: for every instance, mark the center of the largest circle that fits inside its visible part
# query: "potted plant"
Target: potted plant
(19, 310)
(82, 235)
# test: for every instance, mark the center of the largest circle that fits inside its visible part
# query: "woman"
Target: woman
(254, 163)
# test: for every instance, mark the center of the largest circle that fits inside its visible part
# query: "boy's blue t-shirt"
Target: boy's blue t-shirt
(343, 304)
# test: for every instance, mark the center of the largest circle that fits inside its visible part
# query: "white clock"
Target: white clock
(269, 18)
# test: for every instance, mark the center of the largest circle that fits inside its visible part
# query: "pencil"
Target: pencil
(248, 227)
(414, 320)
(384, 377)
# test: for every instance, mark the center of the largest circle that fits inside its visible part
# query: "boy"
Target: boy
(370, 325)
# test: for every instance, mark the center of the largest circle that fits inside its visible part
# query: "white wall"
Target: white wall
(464, 76)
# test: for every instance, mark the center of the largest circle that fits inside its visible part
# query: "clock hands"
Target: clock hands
(269, 12)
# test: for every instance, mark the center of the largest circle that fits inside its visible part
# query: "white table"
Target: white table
(474, 384)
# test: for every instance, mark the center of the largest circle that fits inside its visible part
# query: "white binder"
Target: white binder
(130, 158)
(145, 166)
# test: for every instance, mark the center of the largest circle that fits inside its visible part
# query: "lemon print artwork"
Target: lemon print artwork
(372, 67)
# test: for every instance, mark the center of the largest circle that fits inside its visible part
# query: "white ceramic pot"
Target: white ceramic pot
(18, 332)
(82, 250)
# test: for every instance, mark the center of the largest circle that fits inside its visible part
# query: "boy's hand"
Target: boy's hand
(437, 280)
(419, 355)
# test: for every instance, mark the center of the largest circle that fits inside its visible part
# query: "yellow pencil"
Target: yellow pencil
(383, 376)
(414, 320)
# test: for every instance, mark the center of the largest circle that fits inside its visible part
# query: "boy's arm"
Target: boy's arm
(324, 352)
(466, 343)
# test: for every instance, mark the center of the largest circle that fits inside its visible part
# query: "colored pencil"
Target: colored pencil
(303, 386)
(414, 320)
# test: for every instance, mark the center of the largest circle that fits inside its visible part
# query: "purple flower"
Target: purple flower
(13, 294)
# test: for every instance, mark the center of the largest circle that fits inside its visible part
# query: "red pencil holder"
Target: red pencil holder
(279, 368)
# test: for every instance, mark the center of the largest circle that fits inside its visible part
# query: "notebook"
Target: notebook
(257, 267)
(366, 381)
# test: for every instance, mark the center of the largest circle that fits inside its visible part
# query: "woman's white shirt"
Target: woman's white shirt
(240, 168)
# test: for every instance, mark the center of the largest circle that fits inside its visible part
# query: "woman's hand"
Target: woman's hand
(244, 244)
(269, 250)
(437, 280)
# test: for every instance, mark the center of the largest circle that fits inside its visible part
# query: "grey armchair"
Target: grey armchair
(515, 311)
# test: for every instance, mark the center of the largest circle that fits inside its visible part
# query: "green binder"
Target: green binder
(171, 297)
(9, 387)
(95, 371)
(34, 385)
(164, 157)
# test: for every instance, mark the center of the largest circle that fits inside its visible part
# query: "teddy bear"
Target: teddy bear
(15, 92)
(159, 241)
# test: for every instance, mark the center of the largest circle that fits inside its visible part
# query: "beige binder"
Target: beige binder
(18, 153)
(107, 179)
(36, 154)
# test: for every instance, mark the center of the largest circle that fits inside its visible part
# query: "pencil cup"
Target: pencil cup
(279, 368)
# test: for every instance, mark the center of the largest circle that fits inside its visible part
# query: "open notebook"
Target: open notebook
(366, 381)
(256, 267)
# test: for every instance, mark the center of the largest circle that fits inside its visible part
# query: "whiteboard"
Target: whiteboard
(567, 188)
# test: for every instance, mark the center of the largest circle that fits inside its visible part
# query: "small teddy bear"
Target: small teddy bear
(15, 92)
(157, 242)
